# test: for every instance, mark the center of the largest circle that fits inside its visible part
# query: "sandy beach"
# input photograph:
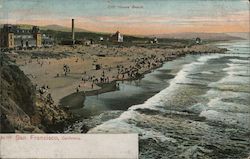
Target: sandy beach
(63, 70)
(173, 75)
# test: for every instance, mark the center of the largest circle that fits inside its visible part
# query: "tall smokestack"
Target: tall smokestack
(73, 31)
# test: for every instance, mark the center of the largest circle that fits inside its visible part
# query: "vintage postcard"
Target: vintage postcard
(125, 79)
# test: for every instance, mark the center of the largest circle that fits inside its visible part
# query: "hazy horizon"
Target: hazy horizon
(139, 17)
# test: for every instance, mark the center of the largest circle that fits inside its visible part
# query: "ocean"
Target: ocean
(197, 106)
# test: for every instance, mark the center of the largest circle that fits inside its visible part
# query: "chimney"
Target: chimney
(73, 31)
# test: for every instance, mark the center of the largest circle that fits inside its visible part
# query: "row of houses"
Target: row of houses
(15, 37)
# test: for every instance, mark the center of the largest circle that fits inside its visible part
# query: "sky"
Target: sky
(138, 17)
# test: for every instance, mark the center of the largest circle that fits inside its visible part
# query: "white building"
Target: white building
(117, 37)
(198, 40)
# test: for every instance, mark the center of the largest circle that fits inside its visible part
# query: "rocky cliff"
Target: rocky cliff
(22, 108)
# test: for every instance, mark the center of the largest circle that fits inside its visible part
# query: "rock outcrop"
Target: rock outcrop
(22, 108)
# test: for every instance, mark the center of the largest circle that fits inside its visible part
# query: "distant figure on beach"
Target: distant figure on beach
(66, 69)
(49, 99)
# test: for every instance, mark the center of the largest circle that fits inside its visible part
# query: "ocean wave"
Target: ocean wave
(126, 123)
(236, 119)
(219, 105)
(197, 108)
(204, 59)
(207, 72)
(214, 93)
(236, 74)
(123, 123)
(238, 61)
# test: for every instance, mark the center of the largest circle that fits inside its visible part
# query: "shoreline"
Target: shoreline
(78, 98)
(45, 68)
(91, 120)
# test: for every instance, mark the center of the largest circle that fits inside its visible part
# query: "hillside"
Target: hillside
(62, 32)
(22, 108)
(241, 35)
(50, 27)
(207, 36)
(61, 28)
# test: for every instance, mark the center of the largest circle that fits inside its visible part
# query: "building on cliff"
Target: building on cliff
(198, 40)
(117, 37)
(15, 37)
